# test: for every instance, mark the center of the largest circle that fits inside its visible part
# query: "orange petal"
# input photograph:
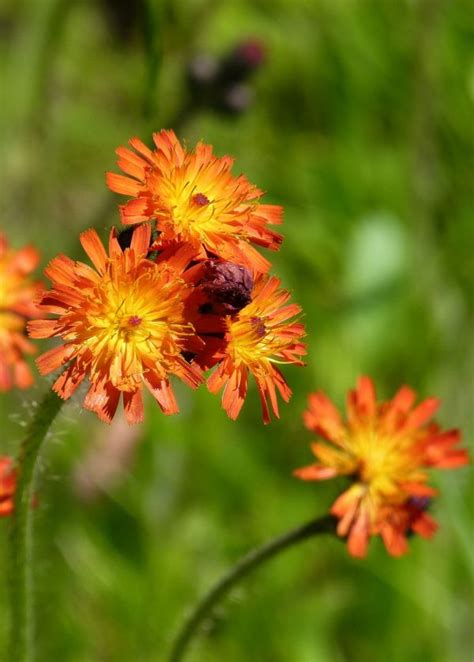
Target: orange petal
(42, 328)
(394, 540)
(134, 211)
(425, 526)
(22, 374)
(142, 149)
(358, 539)
(235, 391)
(133, 406)
(421, 414)
(418, 489)
(114, 247)
(315, 472)
(26, 259)
(397, 409)
(323, 417)
(122, 184)
(54, 358)
(366, 398)
(163, 393)
(6, 507)
(141, 240)
(102, 399)
(67, 383)
(94, 248)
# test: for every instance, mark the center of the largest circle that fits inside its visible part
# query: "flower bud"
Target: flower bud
(228, 287)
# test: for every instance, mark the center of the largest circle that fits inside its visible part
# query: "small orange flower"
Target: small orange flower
(7, 485)
(123, 325)
(257, 338)
(385, 449)
(194, 198)
(17, 295)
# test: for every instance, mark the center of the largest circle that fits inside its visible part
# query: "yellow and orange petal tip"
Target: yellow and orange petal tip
(385, 450)
(194, 198)
(18, 299)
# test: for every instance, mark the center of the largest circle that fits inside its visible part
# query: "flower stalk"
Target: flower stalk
(241, 569)
(20, 547)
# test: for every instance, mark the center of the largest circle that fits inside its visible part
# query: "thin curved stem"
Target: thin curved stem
(241, 569)
(21, 623)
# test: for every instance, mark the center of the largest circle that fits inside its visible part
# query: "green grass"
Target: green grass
(361, 128)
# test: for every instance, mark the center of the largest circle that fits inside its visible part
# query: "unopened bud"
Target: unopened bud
(228, 287)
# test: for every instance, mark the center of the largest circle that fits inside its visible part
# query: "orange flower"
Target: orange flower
(259, 336)
(17, 295)
(194, 198)
(7, 485)
(385, 449)
(123, 325)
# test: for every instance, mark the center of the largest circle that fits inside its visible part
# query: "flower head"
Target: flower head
(385, 449)
(17, 296)
(7, 485)
(255, 340)
(123, 324)
(195, 198)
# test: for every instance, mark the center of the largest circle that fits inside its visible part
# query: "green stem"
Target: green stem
(247, 563)
(21, 625)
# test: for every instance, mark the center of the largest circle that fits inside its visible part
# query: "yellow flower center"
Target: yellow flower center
(125, 315)
(250, 340)
(192, 205)
(134, 318)
(191, 212)
(382, 461)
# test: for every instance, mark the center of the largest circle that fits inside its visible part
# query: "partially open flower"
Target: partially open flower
(259, 337)
(195, 199)
(17, 296)
(123, 324)
(385, 449)
(7, 485)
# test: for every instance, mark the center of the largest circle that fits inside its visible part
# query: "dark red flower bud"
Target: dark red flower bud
(250, 52)
(228, 287)
(242, 61)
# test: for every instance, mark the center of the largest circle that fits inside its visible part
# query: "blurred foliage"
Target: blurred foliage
(362, 128)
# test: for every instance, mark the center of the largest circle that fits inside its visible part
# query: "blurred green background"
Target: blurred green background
(361, 126)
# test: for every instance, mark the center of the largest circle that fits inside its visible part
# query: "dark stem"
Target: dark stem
(241, 569)
(21, 623)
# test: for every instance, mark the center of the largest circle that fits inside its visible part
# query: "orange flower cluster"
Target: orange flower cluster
(182, 291)
(385, 449)
(17, 295)
(7, 485)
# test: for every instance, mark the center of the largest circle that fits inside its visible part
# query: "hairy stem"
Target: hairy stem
(241, 569)
(22, 622)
